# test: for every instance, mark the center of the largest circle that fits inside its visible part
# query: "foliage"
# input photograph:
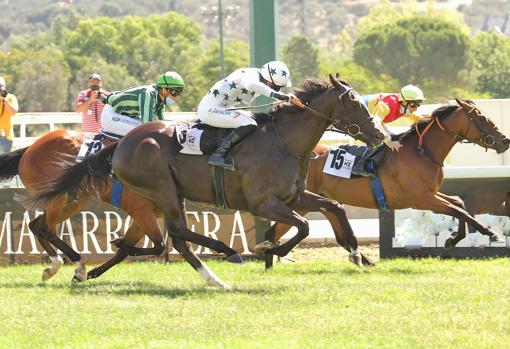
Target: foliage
(429, 52)
(37, 78)
(302, 58)
(492, 66)
(320, 303)
(362, 79)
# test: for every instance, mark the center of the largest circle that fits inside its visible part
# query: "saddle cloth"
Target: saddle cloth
(92, 143)
(342, 160)
(199, 139)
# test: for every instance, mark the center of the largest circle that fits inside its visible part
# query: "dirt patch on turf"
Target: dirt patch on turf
(318, 252)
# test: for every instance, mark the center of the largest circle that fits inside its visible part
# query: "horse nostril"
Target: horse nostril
(506, 141)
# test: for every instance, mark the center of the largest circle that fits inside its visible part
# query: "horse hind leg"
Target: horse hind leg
(207, 274)
(57, 212)
(37, 226)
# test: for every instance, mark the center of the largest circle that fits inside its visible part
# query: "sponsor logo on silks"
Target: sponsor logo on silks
(130, 122)
(220, 111)
(115, 118)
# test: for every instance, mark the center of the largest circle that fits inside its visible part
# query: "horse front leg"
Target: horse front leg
(460, 234)
(342, 228)
(276, 210)
(439, 204)
(335, 212)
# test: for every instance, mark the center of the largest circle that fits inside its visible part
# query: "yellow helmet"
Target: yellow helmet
(411, 93)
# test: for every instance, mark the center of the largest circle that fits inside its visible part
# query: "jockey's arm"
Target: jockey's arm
(414, 118)
(146, 103)
(267, 91)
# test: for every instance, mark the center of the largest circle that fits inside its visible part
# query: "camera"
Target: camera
(3, 93)
(97, 88)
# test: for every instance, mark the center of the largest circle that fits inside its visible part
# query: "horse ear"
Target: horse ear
(338, 75)
(334, 82)
(462, 103)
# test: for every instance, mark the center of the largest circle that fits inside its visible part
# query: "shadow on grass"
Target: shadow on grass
(142, 288)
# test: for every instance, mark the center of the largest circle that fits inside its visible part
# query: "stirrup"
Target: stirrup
(225, 162)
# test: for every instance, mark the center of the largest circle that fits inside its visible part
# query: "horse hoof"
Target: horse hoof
(355, 259)
(367, 262)
(235, 258)
(118, 242)
(47, 274)
(496, 238)
(263, 247)
(76, 278)
(448, 244)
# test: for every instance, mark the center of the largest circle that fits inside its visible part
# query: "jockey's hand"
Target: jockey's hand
(295, 100)
(393, 145)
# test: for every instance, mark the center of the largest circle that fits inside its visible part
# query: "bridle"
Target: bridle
(349, 128)
(486, 140)
(336, 122)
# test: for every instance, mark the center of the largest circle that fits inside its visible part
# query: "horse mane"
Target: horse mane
(305, 91)
(441, 113)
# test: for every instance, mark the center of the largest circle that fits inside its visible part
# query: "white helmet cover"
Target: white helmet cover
(277, 72)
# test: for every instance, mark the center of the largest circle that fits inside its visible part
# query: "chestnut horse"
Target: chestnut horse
(272, 165)
(36, 164)
(410, 178)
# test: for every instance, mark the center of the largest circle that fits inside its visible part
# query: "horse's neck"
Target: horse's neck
(300, 132)
(438, 143)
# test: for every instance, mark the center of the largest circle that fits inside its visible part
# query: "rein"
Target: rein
(334, 122)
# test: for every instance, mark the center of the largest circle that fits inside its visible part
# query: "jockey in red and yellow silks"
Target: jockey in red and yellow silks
(388, 107)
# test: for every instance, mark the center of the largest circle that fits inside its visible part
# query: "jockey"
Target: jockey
(217, 107)
(385, 108)
(388, 107)
(129, 108)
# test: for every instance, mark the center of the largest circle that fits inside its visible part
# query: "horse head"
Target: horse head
(351, 115)
(481, 130)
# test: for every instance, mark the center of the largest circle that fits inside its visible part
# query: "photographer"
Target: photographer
(8, 108)
(90, 103)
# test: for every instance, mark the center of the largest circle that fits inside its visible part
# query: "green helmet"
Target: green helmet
(411, 93)
(170, 79)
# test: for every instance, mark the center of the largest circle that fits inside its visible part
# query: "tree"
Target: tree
(38, 79)
(429, 52)
(491, 63)
(302, 58)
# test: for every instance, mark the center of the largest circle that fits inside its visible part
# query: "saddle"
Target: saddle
(199, 138)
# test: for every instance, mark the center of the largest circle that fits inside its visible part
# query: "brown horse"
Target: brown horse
(410, 178)
(272, 165)
(36, 164)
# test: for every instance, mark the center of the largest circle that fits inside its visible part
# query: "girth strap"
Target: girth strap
(218, 186)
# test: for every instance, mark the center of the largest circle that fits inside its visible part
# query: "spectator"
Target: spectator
(8, 108)
(90, 104)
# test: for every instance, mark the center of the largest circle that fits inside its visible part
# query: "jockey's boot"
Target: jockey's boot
(364, 167)
(220, 157)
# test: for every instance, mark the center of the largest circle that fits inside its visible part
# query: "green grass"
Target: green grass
(323, 303)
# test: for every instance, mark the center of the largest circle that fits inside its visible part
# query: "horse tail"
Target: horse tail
(80, 178)
(9, 164)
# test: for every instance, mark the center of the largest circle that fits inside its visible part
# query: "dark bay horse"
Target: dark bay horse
(272, 165)
(410, 178)
(37, 164)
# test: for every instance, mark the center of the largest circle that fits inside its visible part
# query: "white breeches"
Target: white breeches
(118, 124)
(211, 114)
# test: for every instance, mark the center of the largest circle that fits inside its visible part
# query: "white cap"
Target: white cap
(2, 81)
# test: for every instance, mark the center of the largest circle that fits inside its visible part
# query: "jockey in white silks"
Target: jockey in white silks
(217, 107)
